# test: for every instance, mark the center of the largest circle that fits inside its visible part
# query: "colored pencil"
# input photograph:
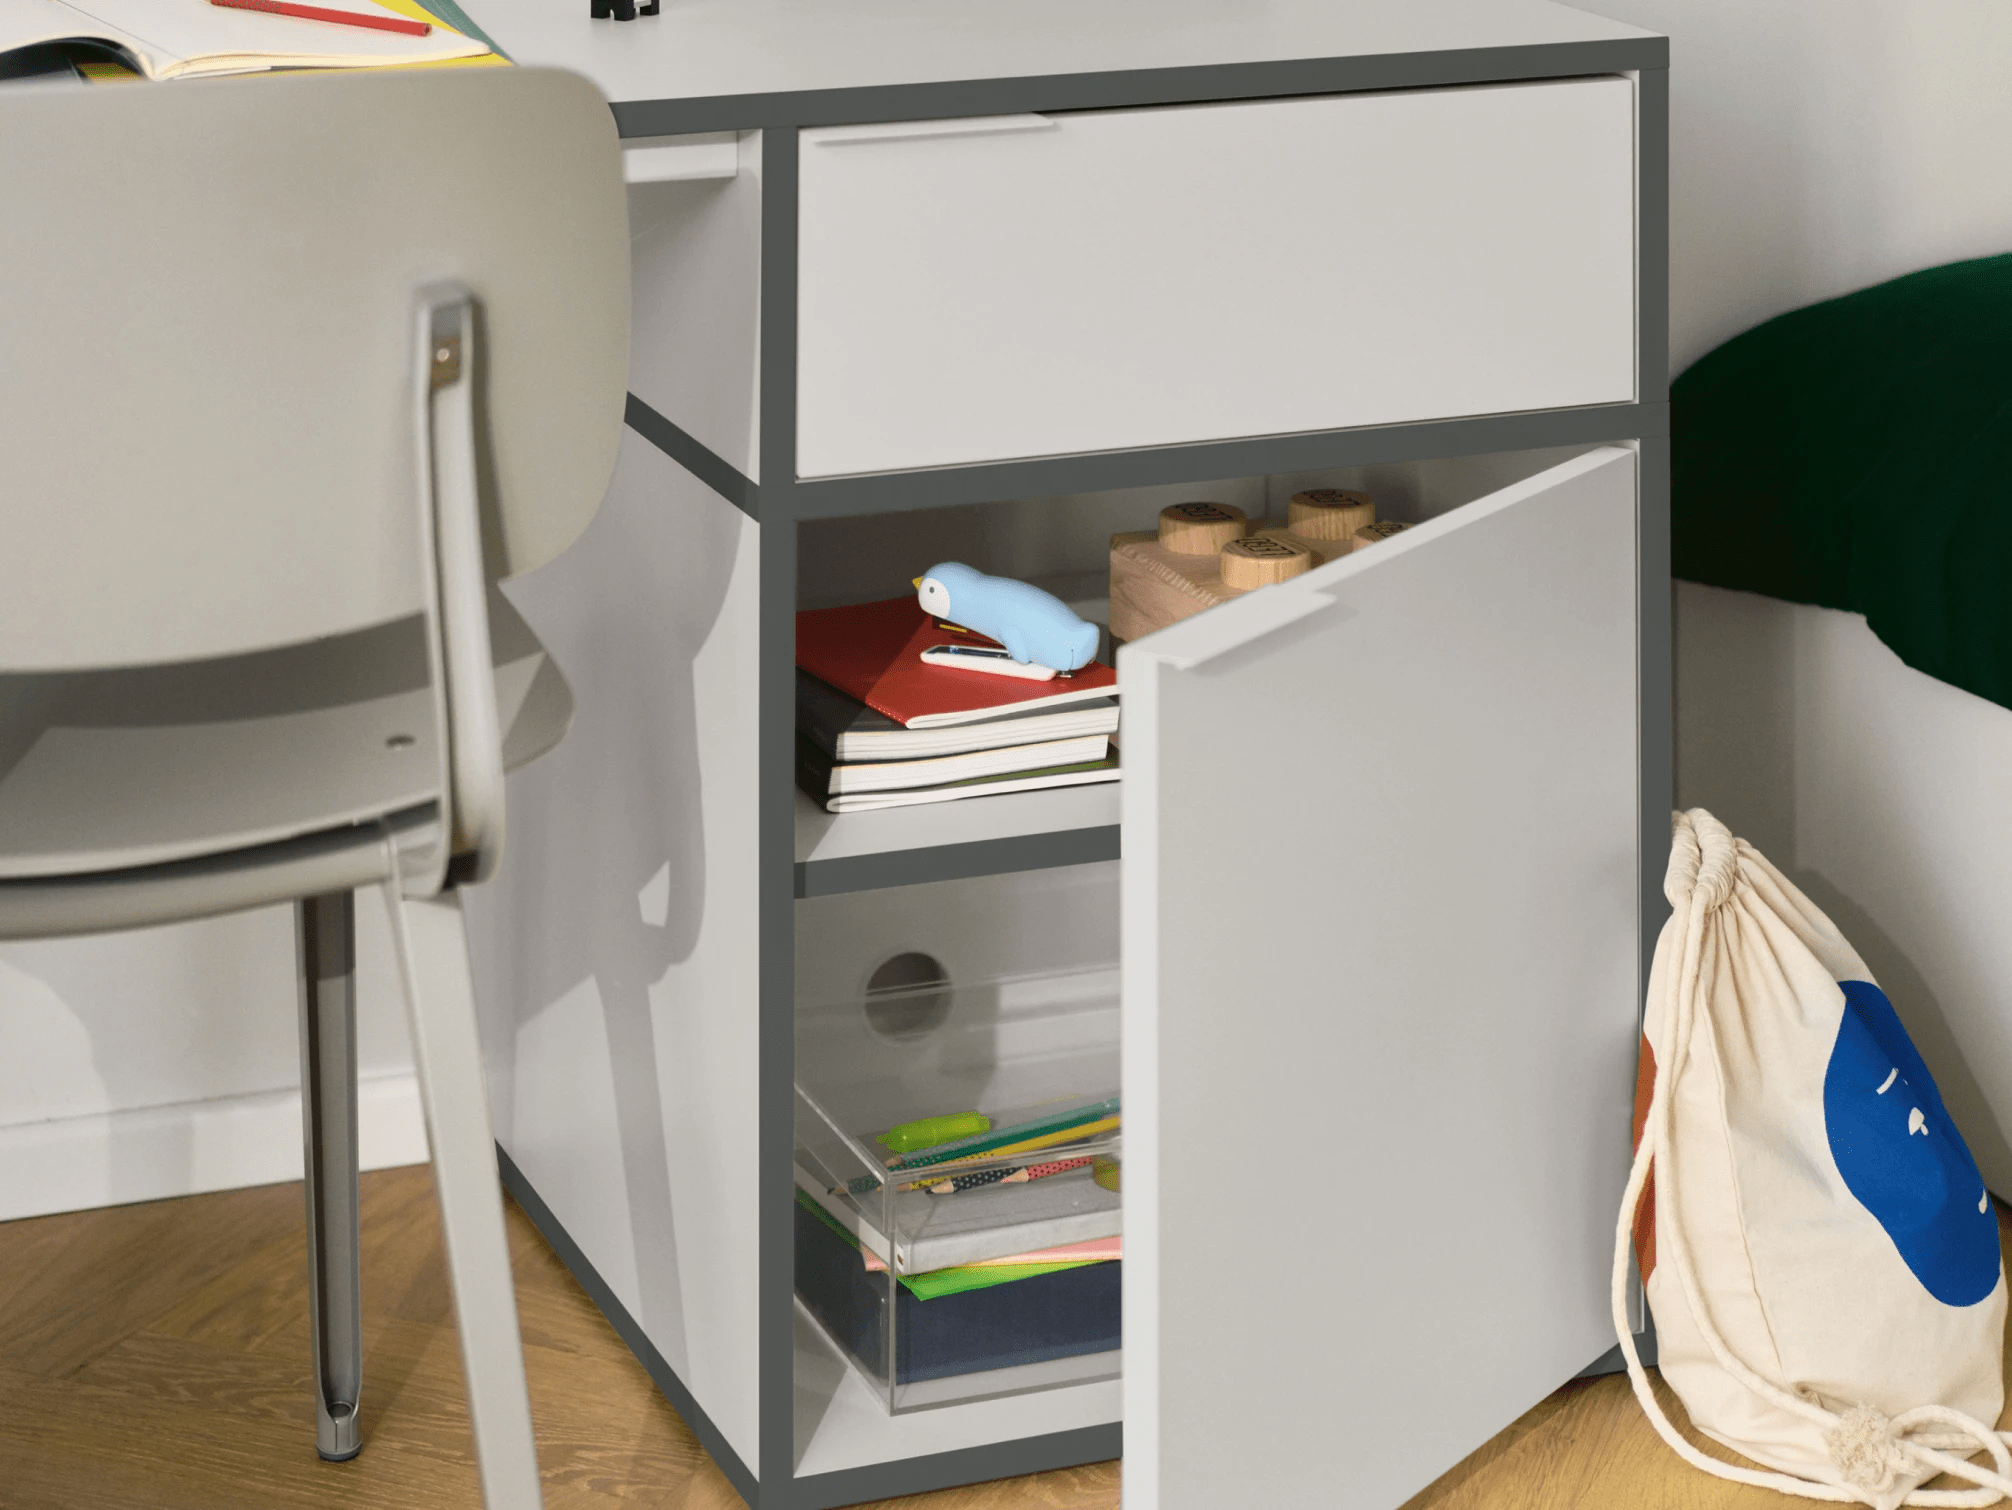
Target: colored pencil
(323, 13)
(1019, 1176)
(971, 1181)
(1081, 1122)
(1068, 1135)
(999, 1136)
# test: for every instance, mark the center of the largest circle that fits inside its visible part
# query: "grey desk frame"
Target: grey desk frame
(782, 500)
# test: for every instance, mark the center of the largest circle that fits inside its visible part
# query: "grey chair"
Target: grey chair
(292, 372)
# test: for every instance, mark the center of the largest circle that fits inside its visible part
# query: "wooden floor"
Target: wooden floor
(155, 1357)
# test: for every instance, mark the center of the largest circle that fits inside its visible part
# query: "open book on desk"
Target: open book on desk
(172, 39)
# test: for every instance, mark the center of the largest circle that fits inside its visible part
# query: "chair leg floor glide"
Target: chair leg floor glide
(432, 947)
(325, 936)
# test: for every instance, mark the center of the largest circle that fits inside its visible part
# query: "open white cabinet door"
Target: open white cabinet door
(1380, 952)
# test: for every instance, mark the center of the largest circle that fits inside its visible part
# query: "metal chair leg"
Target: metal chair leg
(325, 932)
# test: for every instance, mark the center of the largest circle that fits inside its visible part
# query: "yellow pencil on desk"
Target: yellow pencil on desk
(1047, 1140)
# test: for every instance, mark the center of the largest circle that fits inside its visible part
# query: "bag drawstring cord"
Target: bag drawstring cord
(1869, 1450)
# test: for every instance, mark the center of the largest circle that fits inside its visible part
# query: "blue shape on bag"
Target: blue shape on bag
(1902, 1157)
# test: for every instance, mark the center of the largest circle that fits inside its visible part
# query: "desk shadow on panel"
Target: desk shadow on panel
(604, 888)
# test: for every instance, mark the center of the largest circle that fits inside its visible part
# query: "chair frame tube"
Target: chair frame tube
(325, 937)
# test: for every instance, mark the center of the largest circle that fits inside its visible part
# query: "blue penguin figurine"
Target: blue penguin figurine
(1035, 626)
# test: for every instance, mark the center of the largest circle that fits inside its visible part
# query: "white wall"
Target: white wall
(140, 1065)
(1818, 146)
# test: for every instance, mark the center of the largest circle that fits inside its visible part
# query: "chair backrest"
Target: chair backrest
(206, 346)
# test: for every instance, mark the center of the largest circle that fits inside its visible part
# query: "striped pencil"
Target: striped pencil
(1030, 1145)
(998, 1137)
(1084, 1122)
(1020, 1176)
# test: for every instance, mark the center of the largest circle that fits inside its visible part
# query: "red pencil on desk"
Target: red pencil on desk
(322, 13)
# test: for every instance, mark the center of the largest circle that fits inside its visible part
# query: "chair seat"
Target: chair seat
(106, 771)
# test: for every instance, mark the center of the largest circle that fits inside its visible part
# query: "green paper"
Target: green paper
(981, 1276)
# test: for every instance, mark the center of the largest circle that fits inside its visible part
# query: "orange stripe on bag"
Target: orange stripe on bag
(1645, 1214)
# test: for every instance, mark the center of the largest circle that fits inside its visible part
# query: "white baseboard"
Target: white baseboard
(151, 1153)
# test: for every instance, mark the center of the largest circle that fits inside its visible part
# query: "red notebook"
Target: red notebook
(872, 651)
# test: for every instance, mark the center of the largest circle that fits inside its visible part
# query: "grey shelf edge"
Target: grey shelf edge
(1061, 1449)
(893, 492)
(1131, 87)
(956, 862)
(717, 473)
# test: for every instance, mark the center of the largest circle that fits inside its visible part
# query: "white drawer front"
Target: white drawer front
(1030, 286)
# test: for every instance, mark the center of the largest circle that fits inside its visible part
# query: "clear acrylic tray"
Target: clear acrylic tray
(904, 1280)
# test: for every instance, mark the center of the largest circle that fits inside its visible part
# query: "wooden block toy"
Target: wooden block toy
(1200, 529)
(1319, 552)
(1329, 514)
(1201, 554)
(1260, 560)
(1151, 586)
(1383, 529)
(1165, 574)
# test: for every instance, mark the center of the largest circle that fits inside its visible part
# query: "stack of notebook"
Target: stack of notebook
(876, 727)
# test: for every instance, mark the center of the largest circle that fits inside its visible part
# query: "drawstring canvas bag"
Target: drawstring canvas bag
(1820, 1255)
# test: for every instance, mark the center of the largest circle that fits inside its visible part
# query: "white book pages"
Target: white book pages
(863, 802)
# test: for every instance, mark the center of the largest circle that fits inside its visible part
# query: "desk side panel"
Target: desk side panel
(694, 261)
(615, 953)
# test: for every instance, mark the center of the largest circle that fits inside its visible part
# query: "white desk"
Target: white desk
(1389, 832)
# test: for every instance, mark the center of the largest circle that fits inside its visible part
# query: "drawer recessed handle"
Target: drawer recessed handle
(910, 131)
(672, 159)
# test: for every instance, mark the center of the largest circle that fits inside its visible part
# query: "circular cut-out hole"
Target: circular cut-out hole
(908, 996)
(400, 742)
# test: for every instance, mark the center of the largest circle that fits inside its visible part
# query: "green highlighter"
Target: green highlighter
(927, 1132)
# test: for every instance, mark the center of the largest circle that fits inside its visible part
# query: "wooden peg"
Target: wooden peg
(1200, 529)
(1263, 559)
(1383, 529)
(1329, 513)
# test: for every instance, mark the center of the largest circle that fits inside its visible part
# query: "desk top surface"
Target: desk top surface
(715, 64)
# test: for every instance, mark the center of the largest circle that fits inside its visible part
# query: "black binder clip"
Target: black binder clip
(622, 10)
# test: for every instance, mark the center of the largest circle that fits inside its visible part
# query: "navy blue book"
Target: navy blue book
(1060, 1315)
